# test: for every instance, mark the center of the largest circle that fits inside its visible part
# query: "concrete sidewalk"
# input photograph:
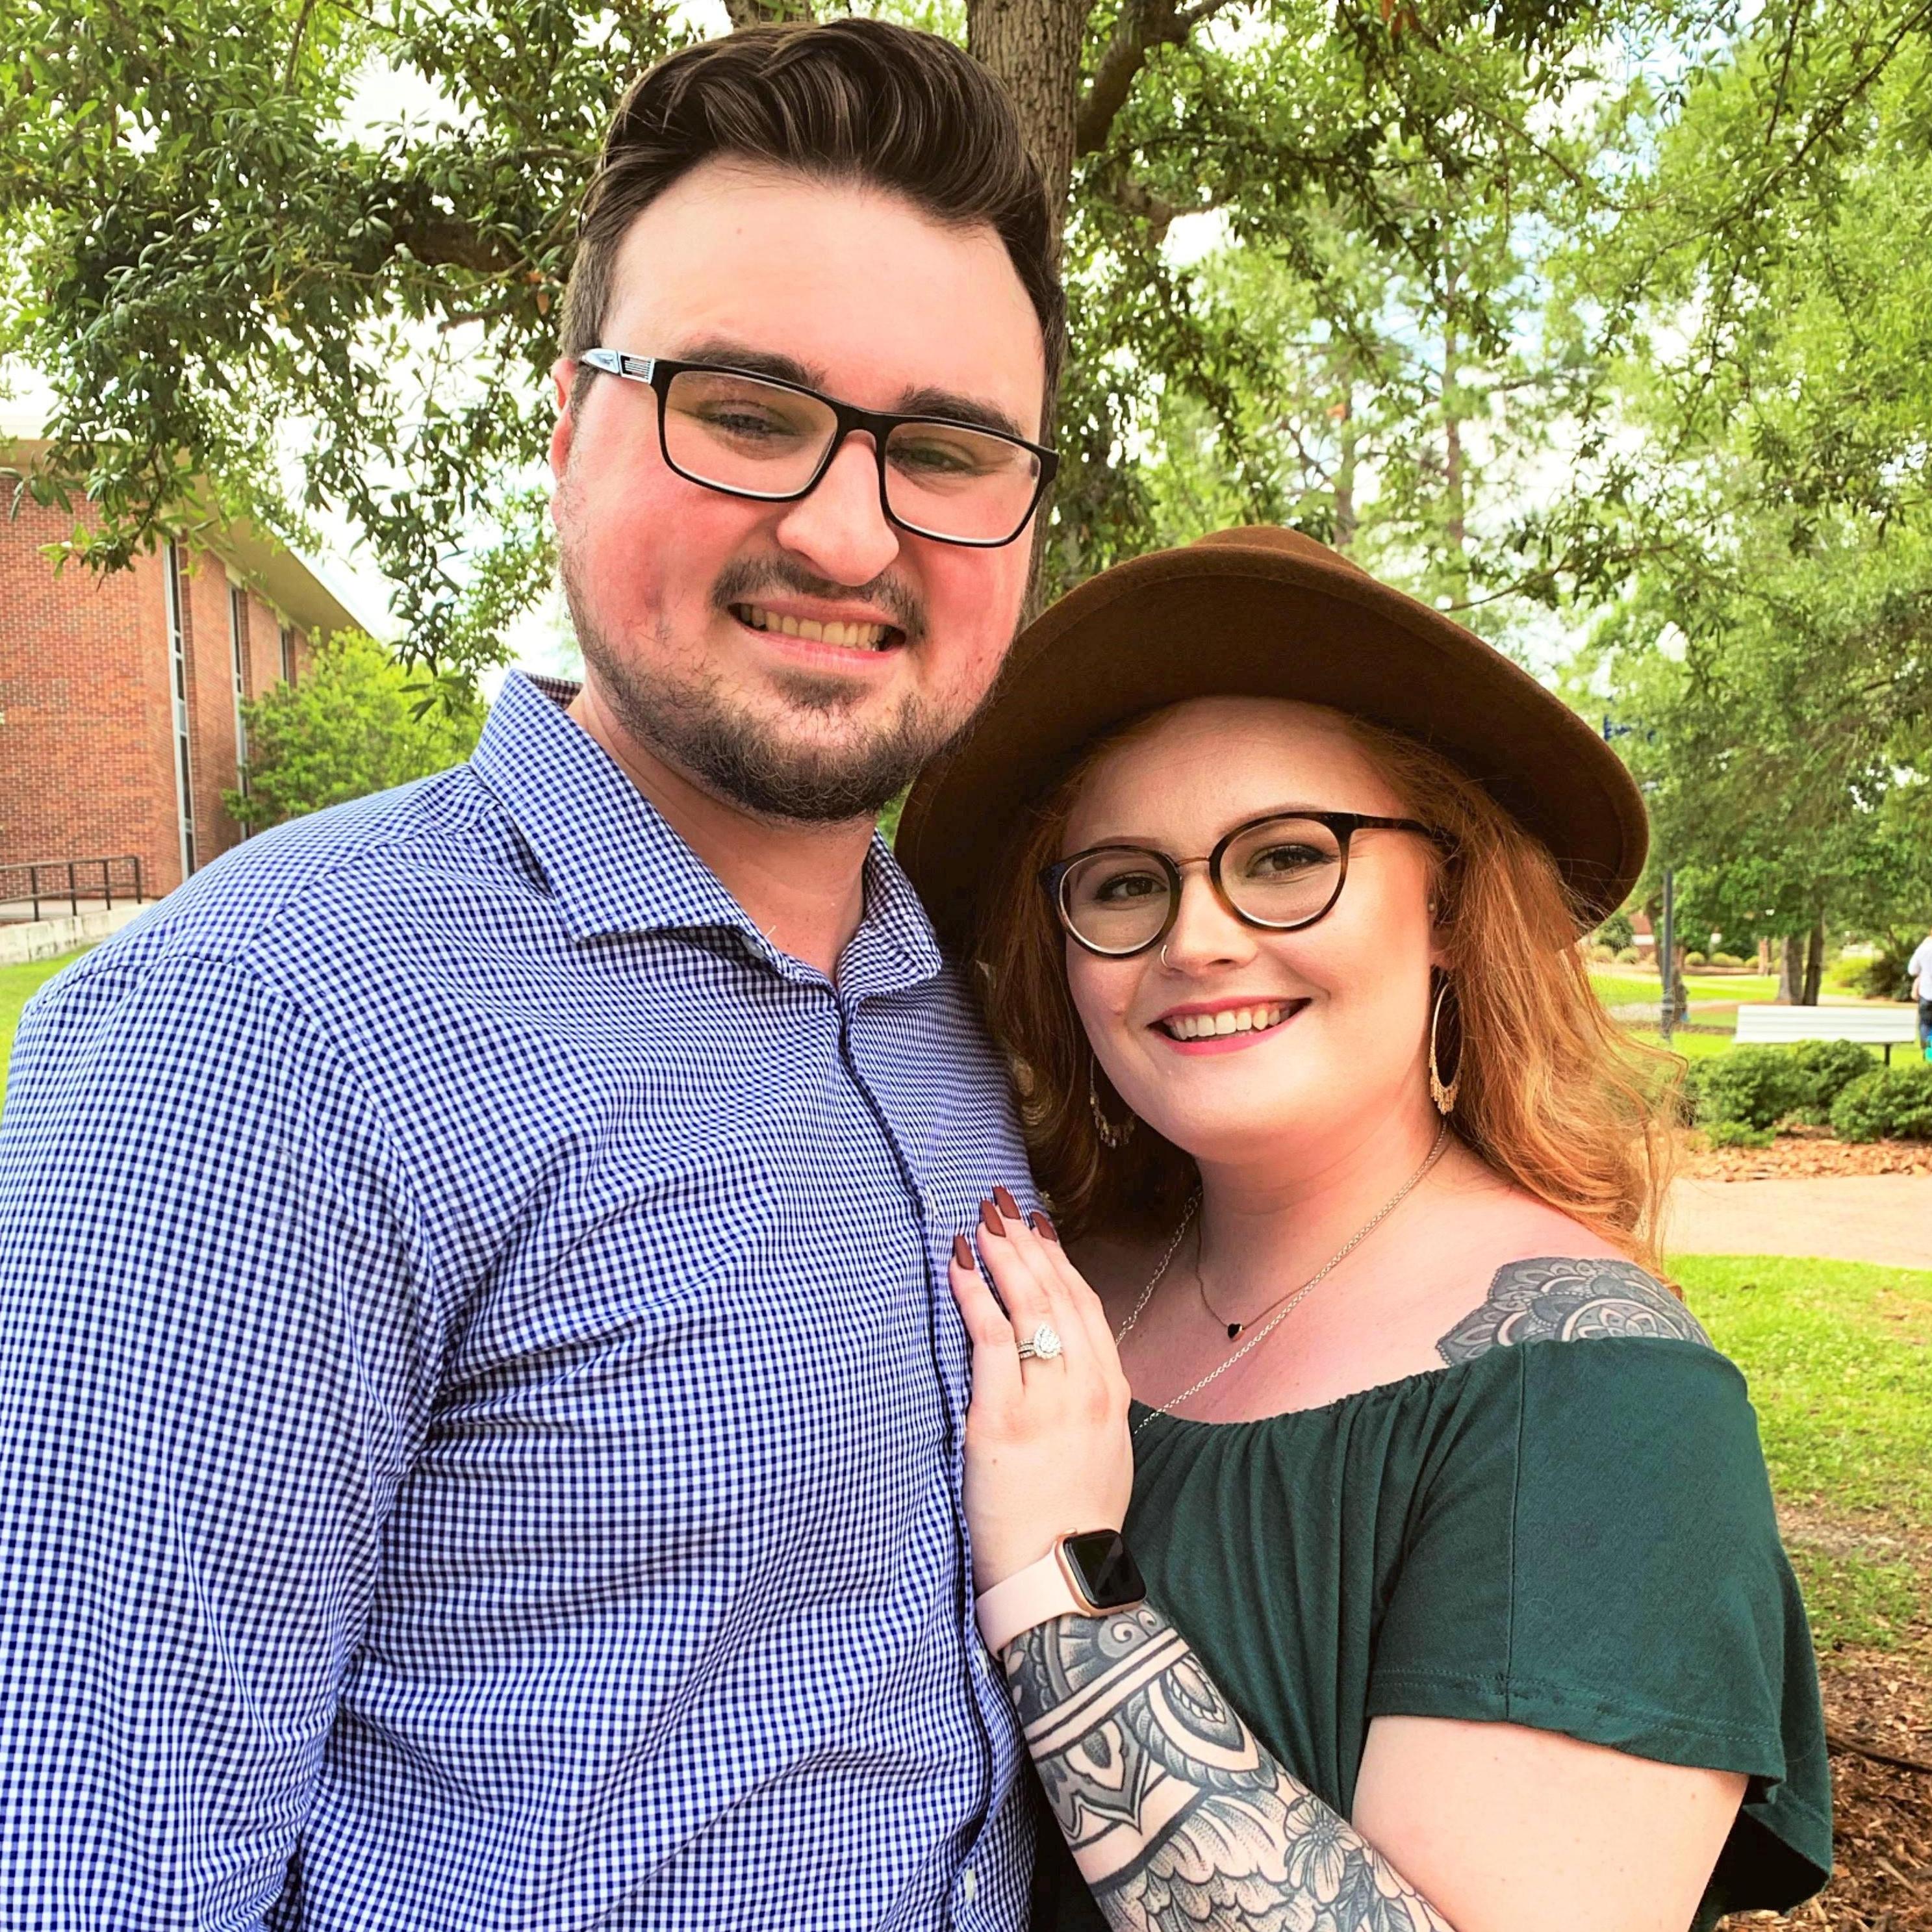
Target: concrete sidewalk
(29, 940)
(1885, 1218)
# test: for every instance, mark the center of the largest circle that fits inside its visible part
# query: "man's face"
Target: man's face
(679, 592)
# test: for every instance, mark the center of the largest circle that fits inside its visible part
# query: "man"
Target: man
(481, 1400)
(1920, 967)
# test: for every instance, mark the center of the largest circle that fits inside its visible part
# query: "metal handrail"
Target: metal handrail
(73, 868)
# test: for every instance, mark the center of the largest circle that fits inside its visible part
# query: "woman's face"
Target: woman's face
(1337, 1014)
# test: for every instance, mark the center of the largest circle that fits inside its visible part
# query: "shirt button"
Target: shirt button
(969, 1884)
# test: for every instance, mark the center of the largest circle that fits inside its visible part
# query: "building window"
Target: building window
(288, 654)
(178, 689)
(237, 639)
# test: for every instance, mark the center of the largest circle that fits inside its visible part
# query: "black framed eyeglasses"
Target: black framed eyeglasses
(757, 437)
(1281, 872)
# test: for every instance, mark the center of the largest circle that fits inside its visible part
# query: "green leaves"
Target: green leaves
(356, 724)
(1774, 527)
(251, 296)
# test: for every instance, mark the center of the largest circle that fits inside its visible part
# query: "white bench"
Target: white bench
(1887, 1027)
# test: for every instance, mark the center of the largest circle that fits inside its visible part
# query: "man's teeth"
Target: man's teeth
(853, 637)
(1214, 1026)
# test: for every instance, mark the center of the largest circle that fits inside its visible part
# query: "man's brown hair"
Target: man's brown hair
(851, 100)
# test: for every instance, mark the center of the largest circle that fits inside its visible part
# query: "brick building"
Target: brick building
(119, 720)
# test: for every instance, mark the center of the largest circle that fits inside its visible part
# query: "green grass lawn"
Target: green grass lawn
(18, 985)
(1624, 989)
(1839, 1356)
(1689, 1046)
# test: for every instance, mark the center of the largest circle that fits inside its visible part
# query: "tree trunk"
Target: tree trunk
(1791, 970)
(1680, 994)
(1033, 49)
(1814, 961)
(1345, 518)
(1454, 466)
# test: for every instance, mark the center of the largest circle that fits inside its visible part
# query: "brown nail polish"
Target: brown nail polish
(962, 1252)
(989, 1219)
(1042, 1227)
(1006, 1205)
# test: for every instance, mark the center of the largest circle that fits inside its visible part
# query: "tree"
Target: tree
(355, 724)
(1775, 641)
(211, 259)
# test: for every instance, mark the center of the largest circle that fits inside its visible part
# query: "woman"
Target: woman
(1478, 1616)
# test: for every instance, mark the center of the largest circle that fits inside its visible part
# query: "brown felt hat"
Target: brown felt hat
(1266, 613)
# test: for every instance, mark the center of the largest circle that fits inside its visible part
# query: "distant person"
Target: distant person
(1920, 967)
(480, 1405)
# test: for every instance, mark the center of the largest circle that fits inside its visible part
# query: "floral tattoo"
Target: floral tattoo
(1180, 1820)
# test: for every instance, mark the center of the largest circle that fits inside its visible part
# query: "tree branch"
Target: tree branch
(767, 12)
(295, 44)
(1141, 26)
(1132, 197)
(447, 241)
(1844, 1743)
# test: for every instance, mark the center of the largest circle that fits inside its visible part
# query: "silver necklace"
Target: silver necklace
(1125, 1328)
(1294, 1297)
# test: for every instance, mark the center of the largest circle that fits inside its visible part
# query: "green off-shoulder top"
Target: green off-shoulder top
(1575, 1535)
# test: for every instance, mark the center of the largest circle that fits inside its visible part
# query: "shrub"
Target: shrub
(1602, 954)
(1628, 955)
(1756, 1086)
(1695, 959)
(1827, 1067)
(1883, 977)
(1616, 932)
(1887, 1103)
(1725, 959)
(1735, 1133)
(354, 725)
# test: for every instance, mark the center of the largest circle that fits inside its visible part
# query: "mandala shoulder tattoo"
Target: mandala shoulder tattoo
(1569, 1300)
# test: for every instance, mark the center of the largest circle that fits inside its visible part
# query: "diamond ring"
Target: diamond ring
(1043, 1344)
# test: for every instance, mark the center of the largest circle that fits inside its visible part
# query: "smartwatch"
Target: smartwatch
(1089, 1574)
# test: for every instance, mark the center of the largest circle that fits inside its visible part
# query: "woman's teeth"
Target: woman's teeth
(853, 637)
(1215, 1026)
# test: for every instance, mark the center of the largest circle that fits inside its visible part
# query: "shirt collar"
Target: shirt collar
(613, 865)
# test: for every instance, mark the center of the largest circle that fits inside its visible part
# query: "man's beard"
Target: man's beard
(684, 717)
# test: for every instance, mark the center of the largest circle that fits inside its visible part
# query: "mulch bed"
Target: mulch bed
(1802, 1152)
(1878, 1704)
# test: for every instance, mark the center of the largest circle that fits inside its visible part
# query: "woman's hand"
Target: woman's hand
(1048, 1453)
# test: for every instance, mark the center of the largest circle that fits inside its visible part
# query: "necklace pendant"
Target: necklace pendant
(1234, 1330)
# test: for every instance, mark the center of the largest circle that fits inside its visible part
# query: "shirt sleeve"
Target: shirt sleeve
(1596, 1552)
(214, 1364)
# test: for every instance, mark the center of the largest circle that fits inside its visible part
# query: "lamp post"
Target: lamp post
(1666, 957)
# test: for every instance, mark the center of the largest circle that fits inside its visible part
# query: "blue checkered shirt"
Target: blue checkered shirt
(480, 1408)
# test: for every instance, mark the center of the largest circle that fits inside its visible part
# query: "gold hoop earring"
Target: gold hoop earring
(1110, 1136)
(1443, 1093)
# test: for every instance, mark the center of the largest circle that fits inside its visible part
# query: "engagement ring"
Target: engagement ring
(1044, 1344)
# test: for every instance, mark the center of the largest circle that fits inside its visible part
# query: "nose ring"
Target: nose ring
(1163, 952)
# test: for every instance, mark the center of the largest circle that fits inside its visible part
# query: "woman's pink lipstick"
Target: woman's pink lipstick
(1225, 1042)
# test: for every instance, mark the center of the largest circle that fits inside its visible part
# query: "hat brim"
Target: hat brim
(1270, 618)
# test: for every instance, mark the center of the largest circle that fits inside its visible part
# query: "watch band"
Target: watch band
(1036, 1595)
(1058, 1585)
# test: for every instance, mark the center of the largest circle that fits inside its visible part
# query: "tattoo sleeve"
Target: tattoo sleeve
(1180, 1820)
